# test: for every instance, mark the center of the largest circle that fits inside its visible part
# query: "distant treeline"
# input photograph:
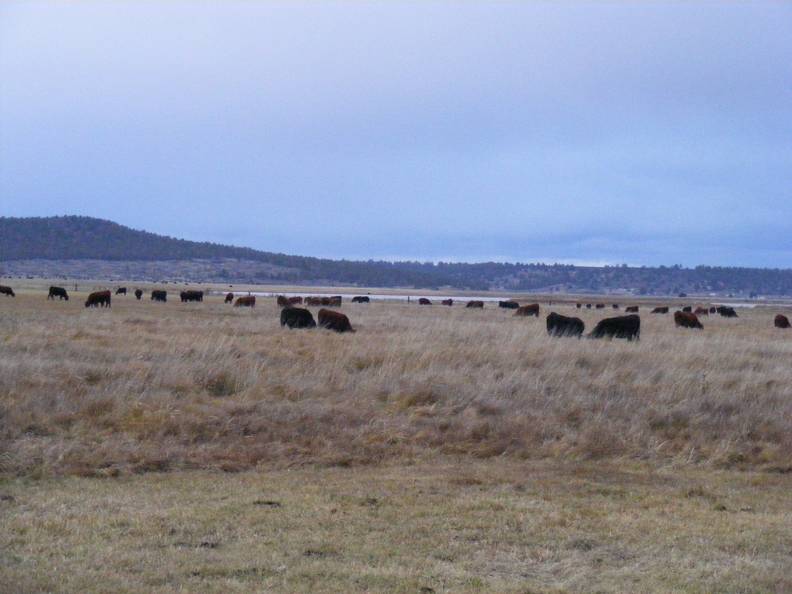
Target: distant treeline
(86, 238)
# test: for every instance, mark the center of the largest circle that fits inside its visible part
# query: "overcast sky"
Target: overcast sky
(608, 132)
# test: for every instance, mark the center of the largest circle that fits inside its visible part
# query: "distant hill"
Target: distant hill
(85, 247)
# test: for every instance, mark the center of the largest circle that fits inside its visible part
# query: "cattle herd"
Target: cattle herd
(291, 316)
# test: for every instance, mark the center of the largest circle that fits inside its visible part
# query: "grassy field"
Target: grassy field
(438, 448)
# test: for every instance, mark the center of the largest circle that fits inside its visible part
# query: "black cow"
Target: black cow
(424, 301)
(508, 304)
(726, 311)
(58, 292)
(781, 321)
(558, 325)
(448, 302)
(191, 296)
(688, 309)
(361, 299)
(660, 310)
(7, 291)
(159, 296)
(138, 294)
(121, 291)
(588, 305)
(615, 306)
(600, 306)
(475, 304)
(297, 317)
(628, 327)
(631, 309)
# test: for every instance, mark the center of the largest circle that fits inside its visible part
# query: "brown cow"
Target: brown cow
(578, 305)
(660, 310)
(701, 311)
(229, 298)
(781, 321)
(98, 299)
(600, 306)
(282, 301)
(686, 319)
(247, 301)
(615, 306)
(528, 310)
(333, 320)
(447, 302)
(7, 291)
(631, 309)
(424, 301)
(138, 294)
(295, 300)
(477, 304)
(313, 301)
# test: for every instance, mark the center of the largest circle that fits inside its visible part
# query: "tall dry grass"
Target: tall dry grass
(149, 386)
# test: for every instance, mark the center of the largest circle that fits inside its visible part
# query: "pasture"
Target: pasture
(444, 448)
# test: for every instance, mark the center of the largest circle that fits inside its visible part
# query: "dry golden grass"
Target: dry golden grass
(468, 526)
(442, 448)
(149, 386)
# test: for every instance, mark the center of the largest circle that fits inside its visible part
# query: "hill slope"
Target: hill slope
(26, 242)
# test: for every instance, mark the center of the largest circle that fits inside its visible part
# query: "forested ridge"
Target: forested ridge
(86, 238)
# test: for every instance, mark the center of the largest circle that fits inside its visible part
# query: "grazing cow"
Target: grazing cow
(558, 325)
(600, 306)
(159, 296)
(478, 304)
(509, 304)
(295, 300)
(588, 305)
(615, 306)
(726, 311)
(333, 320)
(138, 294)
(687, 309)
(686, 319)
(578, 305)
(701, 311)
(713, 309)
(229, 298)
(448, 302)
(628, 327)
(191, 296)
(631, 309)
(361, 299)
(528, 310)
(7, 291)
(424, 301)
(246, 301)
(58, 292)
(283, 302)
(98, 299)
(660, 310)
(781, 321)
(121, 291)
(297, 317)
(313, 301)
